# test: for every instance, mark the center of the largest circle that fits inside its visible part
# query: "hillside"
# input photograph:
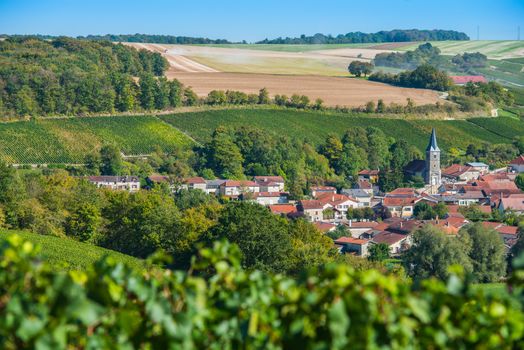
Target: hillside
(315, 126)
(66, 253)
(68, 140)
(495, 49)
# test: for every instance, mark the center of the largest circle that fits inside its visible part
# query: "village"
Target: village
(366, 214)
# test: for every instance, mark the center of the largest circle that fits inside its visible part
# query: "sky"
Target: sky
(255, 20)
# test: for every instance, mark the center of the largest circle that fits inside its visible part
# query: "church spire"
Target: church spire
(432, 146)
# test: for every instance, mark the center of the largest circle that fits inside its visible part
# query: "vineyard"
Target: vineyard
(69, 140)
(68, 254)
(314, 126)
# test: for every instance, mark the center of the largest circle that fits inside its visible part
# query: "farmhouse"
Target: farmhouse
(233, 188)
(270, 183)
(396, 242)
(352, 245)
(313, 209)
(194, 183)
(517, 164)
(267, 198)
(127, 183)
(320, 190)
(464, 79)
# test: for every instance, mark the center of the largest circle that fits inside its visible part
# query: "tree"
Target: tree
(147, 91)
(216, 97)
(370, 107)
(519, 181)
(84, 223)
(486, 251)
(378, 252)
(224, 156)
(262, 237)
(263, 97)
(381, 106)
(378, 148)
(433, 252)
(190, 97)
(332, 149)
(110, 160)
(358, 68)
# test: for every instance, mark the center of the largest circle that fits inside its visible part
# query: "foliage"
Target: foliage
(424, 54)
(424, 77)
(424, 211)
(397, 35)
(359, 68)
(378, 252)
(221, 305)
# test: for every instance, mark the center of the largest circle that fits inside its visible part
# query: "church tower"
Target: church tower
(432, 174)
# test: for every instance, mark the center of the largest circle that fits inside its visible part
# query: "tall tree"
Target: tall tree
(110, 160)
(224, 156)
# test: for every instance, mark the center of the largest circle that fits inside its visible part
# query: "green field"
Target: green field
(66, 253)
(495, 49)
(68, 140)
(315, 126)
(290, 48)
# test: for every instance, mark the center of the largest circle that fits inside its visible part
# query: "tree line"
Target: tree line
(398, 35)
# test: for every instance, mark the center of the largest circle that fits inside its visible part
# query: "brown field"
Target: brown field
(333, 90)
(316, 74)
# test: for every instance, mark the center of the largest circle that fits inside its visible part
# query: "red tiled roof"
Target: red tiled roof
(323, 188)
(513, 202)
(195, 180)
(456, 170)
(463, 79)
(402, 191)
(351, 240)
(518, 161)
(368, 172)
(311, 204)
(362, 224)
(365, 184)
(158, 178)
(508, 230)
(388, 238)
(398, 202)
(282, 208)
(334, 198)
(234, 183)
(268, 178)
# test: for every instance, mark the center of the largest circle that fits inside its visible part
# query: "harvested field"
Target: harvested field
(332, 62)
(333, 90)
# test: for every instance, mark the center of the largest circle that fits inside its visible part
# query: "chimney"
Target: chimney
(350, 222)
(401, 224)
(333, 198)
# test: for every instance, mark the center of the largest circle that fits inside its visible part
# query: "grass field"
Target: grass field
(495, 49)
(68, 254)
(314, 126)
(69, 140)
(290, 48)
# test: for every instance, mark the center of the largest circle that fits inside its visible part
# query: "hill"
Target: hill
(495, 49)
(66, 253)
(315, 126)
(68, 140)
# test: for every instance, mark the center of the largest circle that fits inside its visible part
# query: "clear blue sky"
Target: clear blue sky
(256, 20)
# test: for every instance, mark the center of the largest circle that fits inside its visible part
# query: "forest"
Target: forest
(398, 35)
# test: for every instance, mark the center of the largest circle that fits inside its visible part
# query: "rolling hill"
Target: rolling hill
(68, 254)
(68, 140)
(315, 126)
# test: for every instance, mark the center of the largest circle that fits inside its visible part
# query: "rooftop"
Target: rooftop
(464, 79)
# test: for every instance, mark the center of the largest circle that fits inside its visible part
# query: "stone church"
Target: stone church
(429, 169)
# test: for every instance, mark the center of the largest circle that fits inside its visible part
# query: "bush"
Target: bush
(220, 305)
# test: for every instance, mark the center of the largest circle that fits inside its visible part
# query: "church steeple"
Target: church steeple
(432, 146)
(432, 174)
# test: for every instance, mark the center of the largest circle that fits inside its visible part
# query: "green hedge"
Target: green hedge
(219, 305)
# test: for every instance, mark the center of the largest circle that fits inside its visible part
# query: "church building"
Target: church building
(429, 169)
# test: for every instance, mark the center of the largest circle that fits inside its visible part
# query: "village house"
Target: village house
(517, 164)
(270, 183)
(364, 198)
(366, 186)
(313, 209)
(194, 183)
(482, 168)
(339, 203)
(396, 242)
(154, 179)
(356, 246)
(283, 209)
(320, 190)
(233, 188)
(126, 183)
(400, 202)
(460, 173)
(514, 202)
(357, 228)
(267, 198)
(368, 175)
